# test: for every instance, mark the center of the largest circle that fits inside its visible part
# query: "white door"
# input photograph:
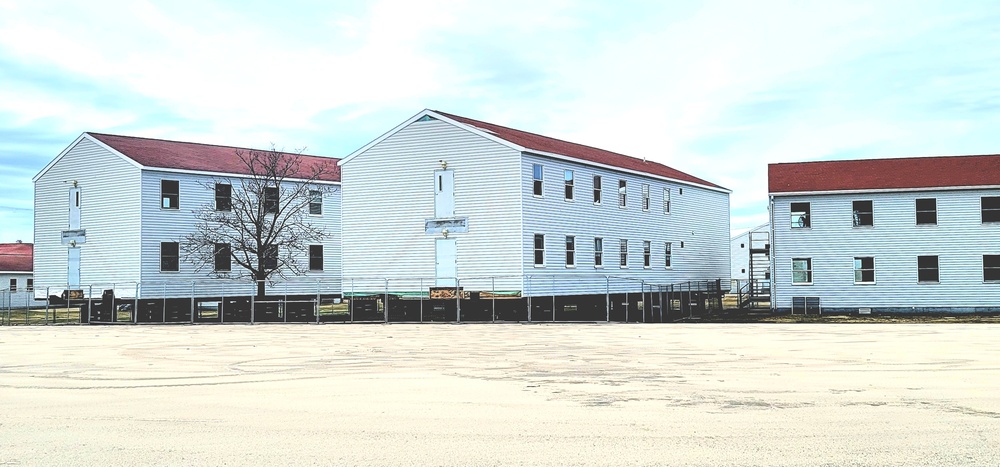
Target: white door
(74, 208)
(73, 272)
(444, 193)
(445, 268)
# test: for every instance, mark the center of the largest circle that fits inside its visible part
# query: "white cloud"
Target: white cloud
(717, 89)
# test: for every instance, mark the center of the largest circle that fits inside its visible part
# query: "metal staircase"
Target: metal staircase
(756, 293)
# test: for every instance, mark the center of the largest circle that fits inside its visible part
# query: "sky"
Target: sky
(714, 89)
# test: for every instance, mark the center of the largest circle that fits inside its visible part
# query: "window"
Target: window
(315, 257)
(169, 194)
(927, 211)
(315, 202)
(539, 250)
(800, 215)
(806, 305)
(621, 193)
(991, 208)
(169, 256)
(666, 200)
(13, 285)
(927, 269)
(30, 285)
(802, 270)
(270, 200)
(598, 252)
(223, 257)
(597, 189)
(864, 270)
(645, 197)
(667, 252)
(271, 257)
(570, 251)
(863, 215)
(223, 197)
(537, 172)
(991, 268)
(623, 253)
(568, 176)
(645, 254)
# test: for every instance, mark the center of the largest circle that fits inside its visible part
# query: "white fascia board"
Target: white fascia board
(231, 175)
(629, 171)
(19, 273)
(72, 145)
(436, 116)
(884, 190)
(383, 137)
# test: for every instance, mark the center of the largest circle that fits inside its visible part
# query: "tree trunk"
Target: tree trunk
(260, 285)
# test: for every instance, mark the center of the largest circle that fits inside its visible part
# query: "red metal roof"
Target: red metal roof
(16, 257)
(166, 154)
(533, 142)
(884, 174)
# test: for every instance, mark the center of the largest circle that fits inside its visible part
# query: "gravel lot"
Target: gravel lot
(501, 394)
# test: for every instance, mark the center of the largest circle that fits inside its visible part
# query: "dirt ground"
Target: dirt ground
(501, 394)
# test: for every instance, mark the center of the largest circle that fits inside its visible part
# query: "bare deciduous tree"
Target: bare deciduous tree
(259, 220)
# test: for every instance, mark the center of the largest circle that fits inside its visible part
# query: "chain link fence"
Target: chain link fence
(530, 298)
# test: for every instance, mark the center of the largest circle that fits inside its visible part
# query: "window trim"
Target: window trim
(536, 250)
(312, 256)
(178, 264)
(937, 269)
(666, 200)
(997, 268)
(13, 285)
(267, 205)
(805, 217)
(268, 258)
(623, 253)
(315, 199)
(598, 187)
(599, 252)
(568, 185)
(217, 252)
(917, 211)
(862, 269)
(856, 214)
(570, 253)
(668, 255)
(228, 198)
(537, 180)
(174, 195)
(983, 210)
(622, 193)
(29, 284)
(645, 197)
(647, 254)
(808, 270)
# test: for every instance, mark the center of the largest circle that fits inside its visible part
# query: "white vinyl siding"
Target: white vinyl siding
(384, 237)
(495, 190)
(109, 211)
(171, 225)
(958, 239)
(702, 221)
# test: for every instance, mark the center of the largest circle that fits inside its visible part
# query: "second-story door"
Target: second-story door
(444, 193)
